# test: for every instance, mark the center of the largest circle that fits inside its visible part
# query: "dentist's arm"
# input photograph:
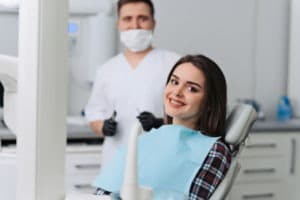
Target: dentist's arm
(107, 127)
(97, 127)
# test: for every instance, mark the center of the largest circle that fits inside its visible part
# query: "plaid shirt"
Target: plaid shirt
(213, 170)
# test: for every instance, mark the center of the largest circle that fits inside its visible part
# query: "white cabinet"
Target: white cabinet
(294, 175)
(269, 168)
(257, 191)
(82, 166)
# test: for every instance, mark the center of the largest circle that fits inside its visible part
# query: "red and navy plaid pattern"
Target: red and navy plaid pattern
(213, 170)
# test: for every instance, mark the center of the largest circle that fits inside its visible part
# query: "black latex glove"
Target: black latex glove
(149, 121)
(110, 126)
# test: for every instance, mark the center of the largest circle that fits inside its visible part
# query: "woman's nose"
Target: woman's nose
(179, 91)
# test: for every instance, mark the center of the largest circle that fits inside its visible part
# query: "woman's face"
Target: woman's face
(184, 94)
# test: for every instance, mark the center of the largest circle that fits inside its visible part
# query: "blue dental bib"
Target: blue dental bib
(168, 159)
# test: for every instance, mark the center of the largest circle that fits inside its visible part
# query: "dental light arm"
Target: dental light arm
(130, 184)
(8, 77)
(130, 189)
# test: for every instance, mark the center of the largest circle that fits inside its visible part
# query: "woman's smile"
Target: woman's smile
(176, 103)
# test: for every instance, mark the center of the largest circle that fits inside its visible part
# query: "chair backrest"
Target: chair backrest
(238, 125)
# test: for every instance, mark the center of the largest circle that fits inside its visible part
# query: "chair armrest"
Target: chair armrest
(224, 187)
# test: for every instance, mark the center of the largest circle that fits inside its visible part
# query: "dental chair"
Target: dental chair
(238, 125)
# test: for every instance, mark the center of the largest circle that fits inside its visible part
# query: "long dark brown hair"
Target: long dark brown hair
(212, 116)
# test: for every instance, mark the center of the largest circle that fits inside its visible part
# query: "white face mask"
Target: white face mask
(136, 39)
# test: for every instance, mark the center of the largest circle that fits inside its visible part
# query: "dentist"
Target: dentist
(131, 82)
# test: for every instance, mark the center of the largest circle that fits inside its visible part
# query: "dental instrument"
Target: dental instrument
(114, 115)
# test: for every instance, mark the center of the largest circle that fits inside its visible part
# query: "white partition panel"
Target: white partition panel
(42, 90)
(294, 57)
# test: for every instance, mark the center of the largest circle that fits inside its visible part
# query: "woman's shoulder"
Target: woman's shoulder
(222, 147)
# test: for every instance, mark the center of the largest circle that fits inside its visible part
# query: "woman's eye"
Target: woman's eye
(173, 82)
(193, 89)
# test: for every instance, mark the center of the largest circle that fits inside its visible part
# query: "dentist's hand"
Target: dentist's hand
(109, 127)
(149, 121)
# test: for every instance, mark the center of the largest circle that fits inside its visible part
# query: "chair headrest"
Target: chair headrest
(239, 123)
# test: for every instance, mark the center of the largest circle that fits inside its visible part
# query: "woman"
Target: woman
(189, 154)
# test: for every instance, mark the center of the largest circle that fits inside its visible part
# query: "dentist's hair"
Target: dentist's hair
(212, 115)
(148, 2)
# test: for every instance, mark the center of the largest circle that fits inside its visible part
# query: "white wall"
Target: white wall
(294, 58)
(8, 32)
(272, 52)
(248, 39)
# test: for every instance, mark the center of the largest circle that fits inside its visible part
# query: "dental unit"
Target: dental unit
(35, 107)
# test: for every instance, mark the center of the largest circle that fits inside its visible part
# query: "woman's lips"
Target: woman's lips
(176, 103)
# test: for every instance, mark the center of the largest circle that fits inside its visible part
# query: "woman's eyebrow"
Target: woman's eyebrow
(193, 83)
(188, 82)
(173, 75)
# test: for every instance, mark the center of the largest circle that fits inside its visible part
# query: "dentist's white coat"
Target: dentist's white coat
(128, 91)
